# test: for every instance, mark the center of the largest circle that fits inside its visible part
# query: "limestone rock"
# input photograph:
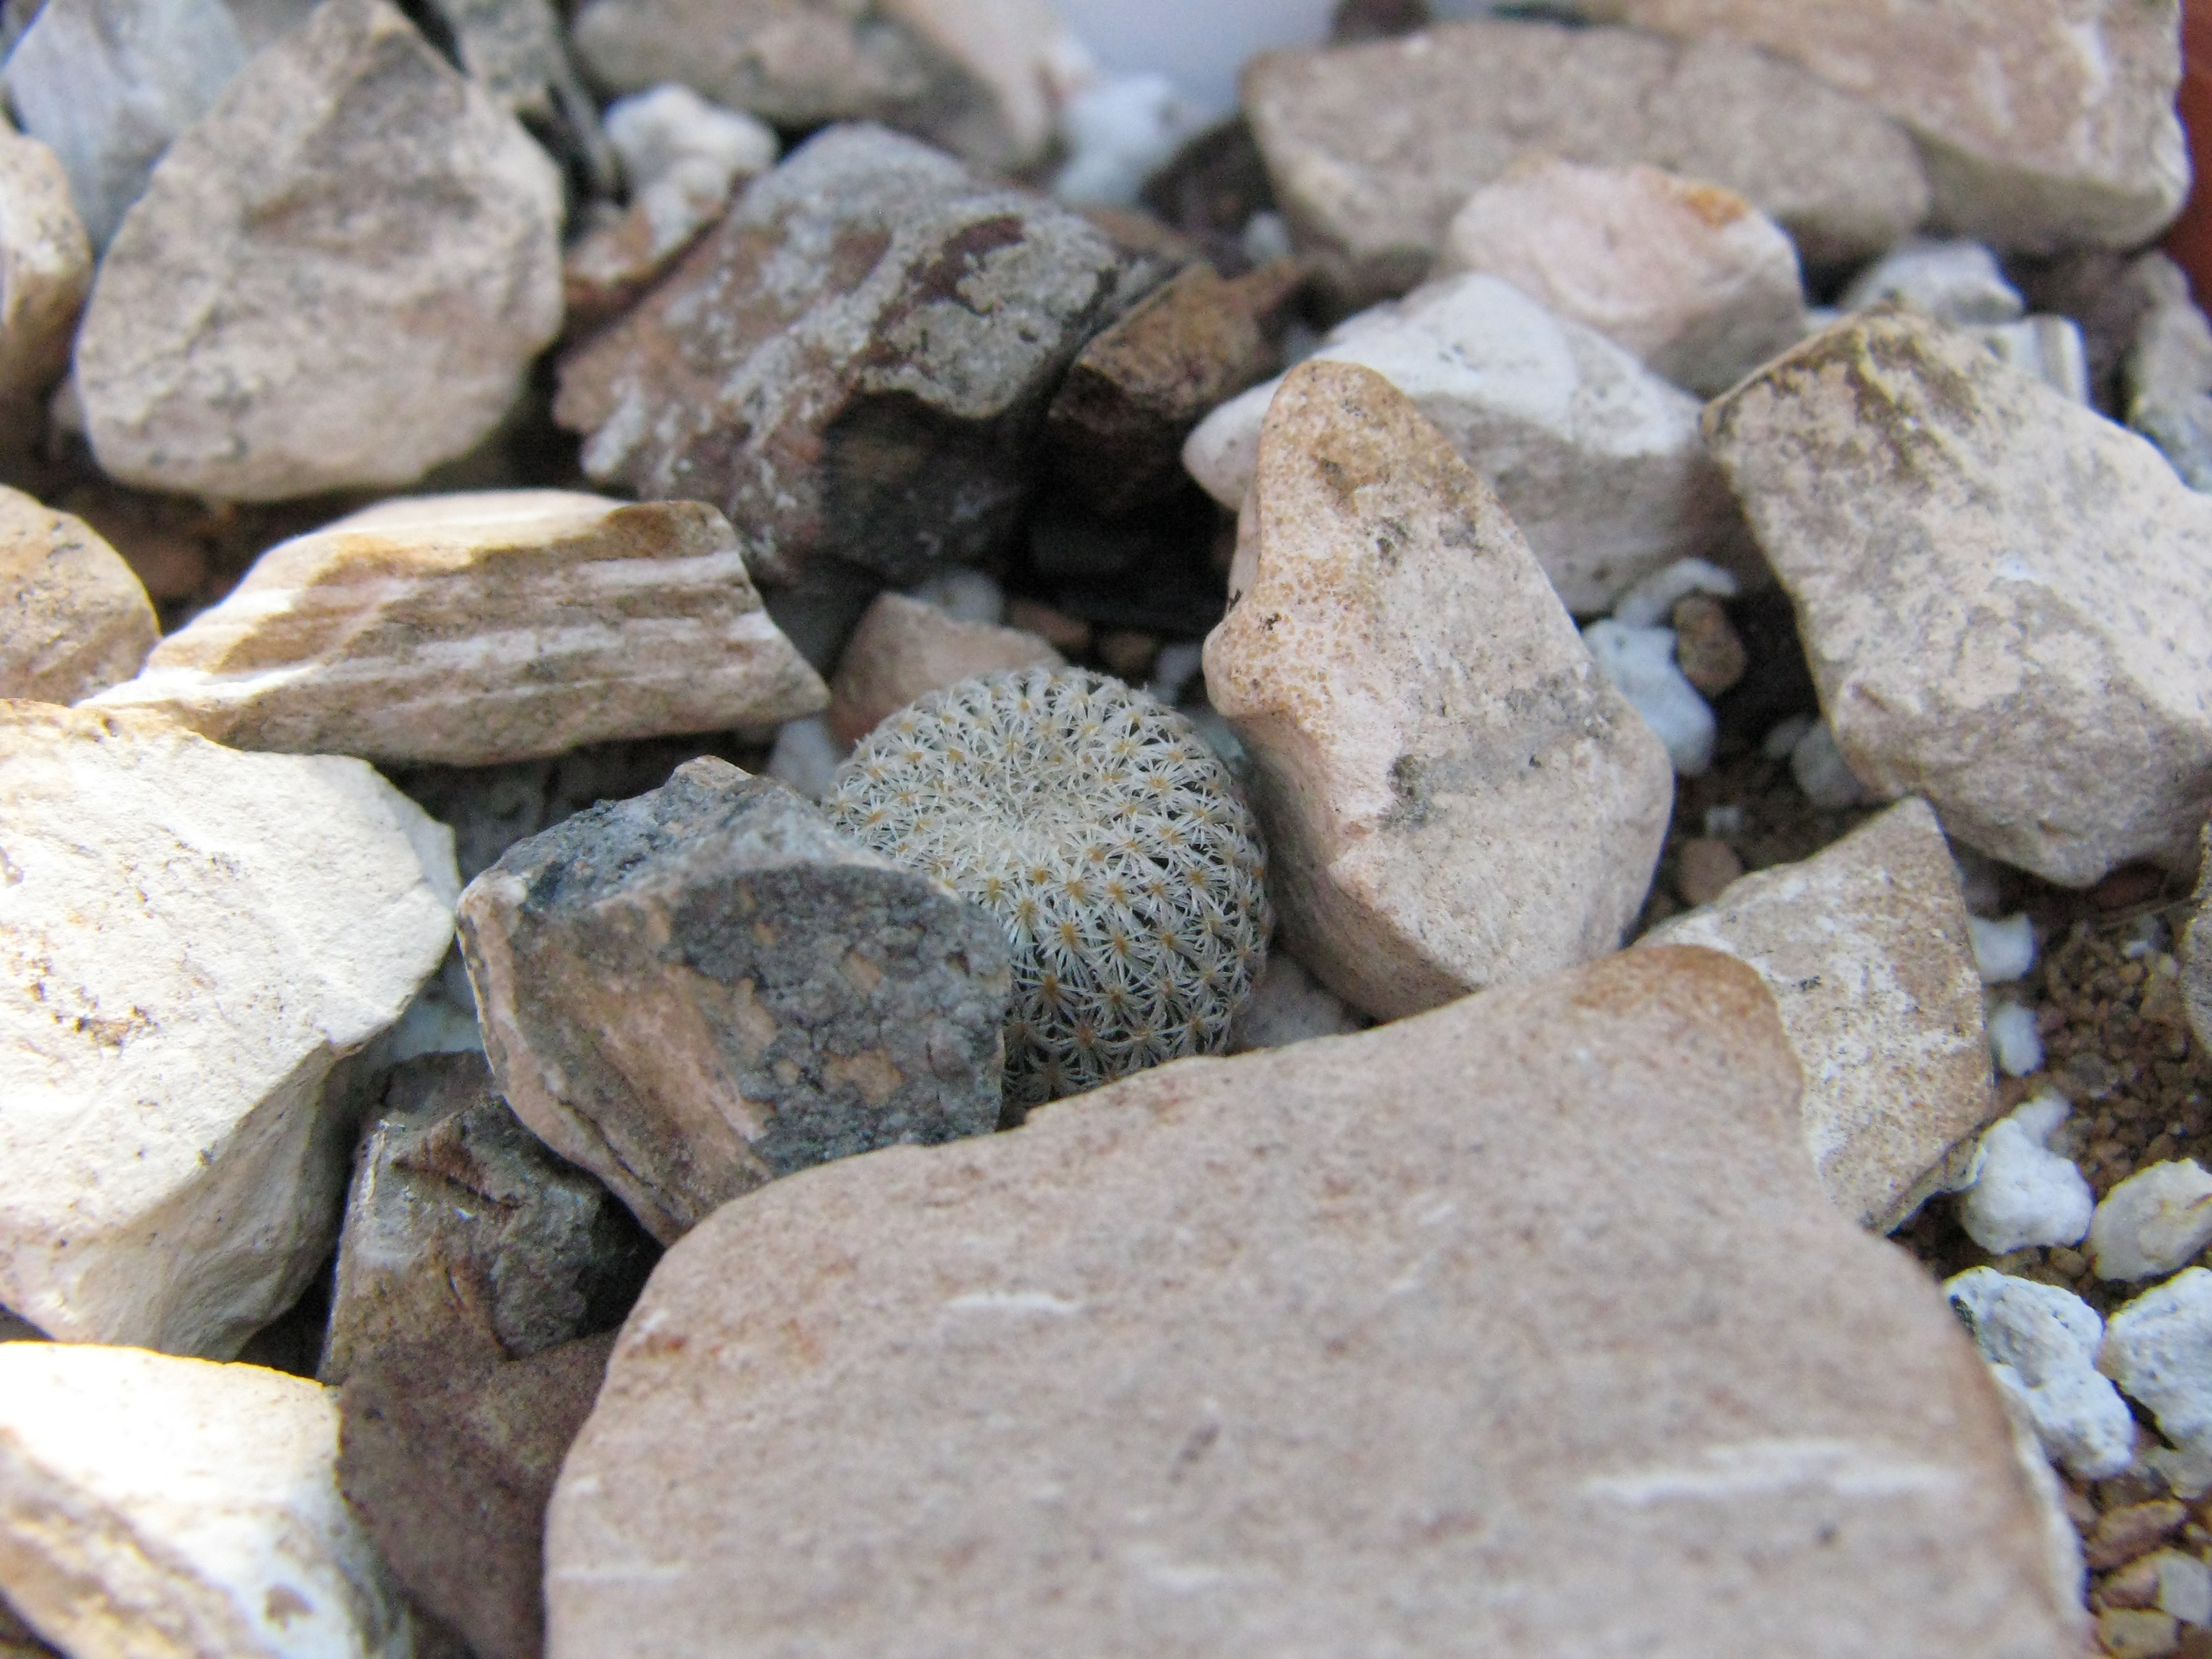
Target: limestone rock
(1021, 59)
(1865, 946)
(904, 647)
(73, 619)
(2000, 592)
(1598, 460)
(336, 278)
(1373, 1344)
(1373, 147)
(200, 936)
(694, 992)
(465, 1238)
(2166, 370)
(471, 629)
(1116, 427)
(155, 1505)
(450, 1475)
(1454, 797)
(514, 50)
(1690, 278)
(2046, 124)
(45, 270)
(109, 84)
(1953, 282)
(854, 363)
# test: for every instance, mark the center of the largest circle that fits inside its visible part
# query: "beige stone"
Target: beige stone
(1688, 277)
(475, 628)
(1865, 946)
(196, 939)
(45, 270)
(1454, 797)
(1023, 57)
(1373, 147)
(168, 1508)
(2000, 592)
(337, 277)
(1516, 1329)
(904, 647)
(2045, 124)
(74, 620)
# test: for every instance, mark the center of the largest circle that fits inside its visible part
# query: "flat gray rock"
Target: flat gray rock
(1519, 1329)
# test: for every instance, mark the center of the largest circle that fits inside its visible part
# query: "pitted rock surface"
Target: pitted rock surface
(694, 992)
(74, 620)
(855, 363)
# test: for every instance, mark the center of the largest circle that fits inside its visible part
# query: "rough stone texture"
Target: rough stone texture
(2166, 370)
(854, 363)
(336, 278)
(471, 629)
(1454, 797)
(465, 1236)
(2047, 123)
(1519, 1329)
(157, 1506)
(73, 619)
(194, 937)
(45, 270)
(1373, 147)
(1598, 460)
(903, 647)
(694, 992)
(512, 49)
(450, 1473)
(1115, 430)
(109, 84)
(2000, 592)
(1689, 278)
(1865, 946)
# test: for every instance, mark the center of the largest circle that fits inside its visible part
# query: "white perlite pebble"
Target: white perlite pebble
(1956, 281)
(155, 1508)
(2015, 1040)
(2159, 1350)
(2023, 1193)
(672, 127)
(965, 595)
(2153, 1222)
(1119, 133)
(1289, 1005)
(2005, 951)
(1651, 602)
(2041, 1342)
(806, 755)
(1640, 661)
(1816, 760)
(2185, 1587)
(2049, 348)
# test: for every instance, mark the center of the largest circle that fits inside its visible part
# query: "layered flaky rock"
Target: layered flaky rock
(1865, 946)
(903, 647)
(45, 270)
(853, 365)
(2045, 123)
(1516, 1329)
(1688, 277)
(1598, 460)
(199, 937)
(336, 278)
(153, 1506)
(1373, 147)
(694, 992)
(2001, 593)
(74, 620)
(1454, 797)
(471, 629)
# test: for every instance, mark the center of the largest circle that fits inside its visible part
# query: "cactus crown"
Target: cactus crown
(1100, 829)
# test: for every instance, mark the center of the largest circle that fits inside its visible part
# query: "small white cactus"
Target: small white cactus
(1102, 832)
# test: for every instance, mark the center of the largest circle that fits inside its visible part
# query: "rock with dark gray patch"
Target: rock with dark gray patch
(694, 992)
(465, 1238)
(855, 363)
(514, 50)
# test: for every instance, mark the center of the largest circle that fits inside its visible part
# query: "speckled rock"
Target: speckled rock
(904, 647)
(1375, 1344)
(2045, 124)
(854, 364)
(73, 618)
(1373, 147)
(1865, 946)
(1454, 797)
(694, 992)
(161, 1506)
(214, 933)
(336, 278)
(476, 629)
(2000, 592)
(46, 272)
